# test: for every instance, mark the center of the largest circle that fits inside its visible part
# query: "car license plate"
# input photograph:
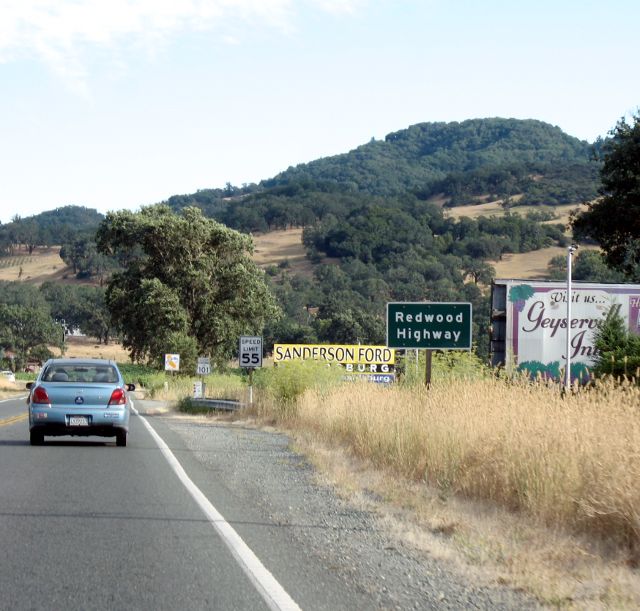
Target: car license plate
(78, 421)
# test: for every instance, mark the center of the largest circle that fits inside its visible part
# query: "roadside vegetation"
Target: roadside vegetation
(564, 461)
(569, 461)
(561, 471)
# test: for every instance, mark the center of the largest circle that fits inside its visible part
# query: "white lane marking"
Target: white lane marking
(269, 588)
(20, 398)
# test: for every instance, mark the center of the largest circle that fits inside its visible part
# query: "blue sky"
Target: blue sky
(119, 103)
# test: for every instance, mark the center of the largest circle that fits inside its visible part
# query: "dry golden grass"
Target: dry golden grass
(276, 247)
(6, 385)
(42, 264)
(495, 208)
(88, 347)
(475, 211)
(558, 478)
(521, 445)
(10, 389)
(529, 265)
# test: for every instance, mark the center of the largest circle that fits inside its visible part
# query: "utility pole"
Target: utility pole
(567, 374)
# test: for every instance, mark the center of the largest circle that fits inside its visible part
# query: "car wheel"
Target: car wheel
(121, 438)
(36, 438)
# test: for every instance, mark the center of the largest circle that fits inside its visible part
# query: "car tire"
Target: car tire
(36, 438)
(121, 438)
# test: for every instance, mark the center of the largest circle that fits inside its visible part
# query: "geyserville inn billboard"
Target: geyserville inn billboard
(529, 323)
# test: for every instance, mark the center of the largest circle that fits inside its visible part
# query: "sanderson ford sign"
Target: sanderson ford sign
(374, 362)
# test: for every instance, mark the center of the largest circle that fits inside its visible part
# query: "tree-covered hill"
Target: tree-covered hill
(498, 157)
(53, 227)
(523, 161)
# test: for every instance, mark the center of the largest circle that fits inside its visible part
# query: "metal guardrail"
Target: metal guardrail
(219, 404)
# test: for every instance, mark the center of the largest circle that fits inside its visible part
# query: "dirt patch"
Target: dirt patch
(530, 265)
(88, 347)
(42, 264)
(283, 247)
(562, 213)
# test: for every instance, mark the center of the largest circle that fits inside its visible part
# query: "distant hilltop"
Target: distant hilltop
(458, 163)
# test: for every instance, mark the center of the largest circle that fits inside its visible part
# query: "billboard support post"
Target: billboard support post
(427, 368)
(567, 374)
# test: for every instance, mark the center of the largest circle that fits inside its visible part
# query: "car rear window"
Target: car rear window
(99, 374)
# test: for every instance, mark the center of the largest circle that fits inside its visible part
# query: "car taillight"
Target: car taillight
(118, 397)
(40, 396)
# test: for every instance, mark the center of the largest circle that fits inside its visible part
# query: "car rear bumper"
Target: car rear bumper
(56, 421)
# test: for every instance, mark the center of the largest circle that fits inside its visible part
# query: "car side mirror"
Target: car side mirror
(29, 385)
(131, 387)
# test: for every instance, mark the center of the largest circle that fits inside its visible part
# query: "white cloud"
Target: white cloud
(339, 6)
(64, 33)
(54, 28)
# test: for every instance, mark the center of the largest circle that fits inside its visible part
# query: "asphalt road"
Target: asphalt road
(87, 525)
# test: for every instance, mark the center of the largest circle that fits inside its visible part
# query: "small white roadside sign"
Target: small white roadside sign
(250, 353)
(172, 362)
(197, 390)
(203, 367)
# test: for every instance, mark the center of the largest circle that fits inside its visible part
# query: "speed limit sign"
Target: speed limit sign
(250, 353)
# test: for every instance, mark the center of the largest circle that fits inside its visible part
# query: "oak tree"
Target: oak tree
(614, 220)
(186, 275)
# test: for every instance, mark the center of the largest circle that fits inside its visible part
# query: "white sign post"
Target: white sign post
(250, 357)
(203, 368)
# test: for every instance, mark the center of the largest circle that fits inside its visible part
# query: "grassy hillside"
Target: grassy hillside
(284, 249)
(41, 265)
(559, 214)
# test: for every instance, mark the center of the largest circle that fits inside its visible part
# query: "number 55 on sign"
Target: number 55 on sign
(250, 353)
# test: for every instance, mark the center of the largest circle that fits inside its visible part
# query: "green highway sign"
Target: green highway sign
(430, 326)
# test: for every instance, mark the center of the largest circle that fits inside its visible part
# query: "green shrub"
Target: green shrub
(186, 346)
(188, 406)
(618, 349)
(134, 372)
(25, 376)
(287, 382)
(458, 365)
(445, 365)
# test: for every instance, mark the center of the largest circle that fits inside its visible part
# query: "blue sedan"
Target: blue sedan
(79, 397)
